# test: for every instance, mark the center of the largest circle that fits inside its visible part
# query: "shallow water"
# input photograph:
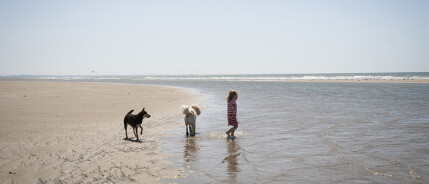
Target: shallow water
(303, 132)
(308, 133)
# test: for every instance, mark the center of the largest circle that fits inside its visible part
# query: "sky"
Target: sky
(159, 37)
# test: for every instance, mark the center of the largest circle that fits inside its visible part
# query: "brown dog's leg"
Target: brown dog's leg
(125, 126)
(141, 131)
(136, 133)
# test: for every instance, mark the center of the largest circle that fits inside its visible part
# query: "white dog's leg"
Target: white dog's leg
(189, 129)
(186, 125)
(193, 129)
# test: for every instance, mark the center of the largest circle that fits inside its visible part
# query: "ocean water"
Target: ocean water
(309, 133)
(300, 132)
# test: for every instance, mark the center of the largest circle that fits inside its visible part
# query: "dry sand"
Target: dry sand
(60, 132)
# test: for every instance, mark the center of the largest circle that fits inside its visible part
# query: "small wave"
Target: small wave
(343, 160)
(414, 173)
(298, 160)
(376, 172)
(215, 135)
(394, 162)
(323, 134)
(334, 147)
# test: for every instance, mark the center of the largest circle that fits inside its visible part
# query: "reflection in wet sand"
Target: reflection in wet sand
(191, 150)
(231, 159)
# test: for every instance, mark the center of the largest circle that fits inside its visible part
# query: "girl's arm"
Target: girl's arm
(234, 109)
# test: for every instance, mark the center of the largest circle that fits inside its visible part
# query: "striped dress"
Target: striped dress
(232, 113)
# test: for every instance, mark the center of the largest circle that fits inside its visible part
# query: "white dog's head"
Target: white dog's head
(193, 109)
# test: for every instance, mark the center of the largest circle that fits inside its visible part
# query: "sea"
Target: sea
(295, 129)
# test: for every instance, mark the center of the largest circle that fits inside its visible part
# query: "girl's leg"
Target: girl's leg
(232, 130)
(229, 131)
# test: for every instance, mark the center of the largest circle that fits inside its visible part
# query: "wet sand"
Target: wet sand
(66, 132)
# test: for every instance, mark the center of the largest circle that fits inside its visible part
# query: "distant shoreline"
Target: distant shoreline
(414, 81)
(410, 77)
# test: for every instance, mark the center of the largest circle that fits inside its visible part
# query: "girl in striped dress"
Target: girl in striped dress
(232, 112)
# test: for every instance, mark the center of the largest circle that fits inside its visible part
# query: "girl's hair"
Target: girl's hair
(230, 95)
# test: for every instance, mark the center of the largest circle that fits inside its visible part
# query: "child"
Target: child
(232, 112)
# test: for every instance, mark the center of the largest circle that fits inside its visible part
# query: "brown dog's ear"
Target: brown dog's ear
(143, 108)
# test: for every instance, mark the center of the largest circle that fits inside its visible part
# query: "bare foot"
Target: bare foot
(227, 134)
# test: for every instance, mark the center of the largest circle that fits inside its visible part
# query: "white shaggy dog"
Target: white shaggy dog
(191, 113)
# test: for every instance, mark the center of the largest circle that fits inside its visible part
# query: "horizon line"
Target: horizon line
(11, 75)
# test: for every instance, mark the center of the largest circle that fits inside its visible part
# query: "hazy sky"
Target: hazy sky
(213, 37)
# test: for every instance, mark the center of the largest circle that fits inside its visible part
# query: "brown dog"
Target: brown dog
(135, 121)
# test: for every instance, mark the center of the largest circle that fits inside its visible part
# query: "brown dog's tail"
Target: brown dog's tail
(130, 111)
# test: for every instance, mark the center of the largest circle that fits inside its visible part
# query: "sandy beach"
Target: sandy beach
(66, 132)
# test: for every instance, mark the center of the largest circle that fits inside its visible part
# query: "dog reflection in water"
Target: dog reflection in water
(190, 153)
